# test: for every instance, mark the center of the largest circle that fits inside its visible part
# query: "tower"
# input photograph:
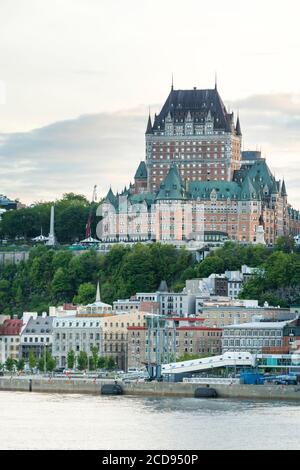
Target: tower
(51, 239)
(195, 131)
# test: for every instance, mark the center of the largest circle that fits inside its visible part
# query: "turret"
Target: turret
(149, 126)
(238, 129)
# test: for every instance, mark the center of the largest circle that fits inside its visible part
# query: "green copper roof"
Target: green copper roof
(248, 192)
(172, 187)
(141, 172)
(149, 198)
(111, 198)
(210, 189)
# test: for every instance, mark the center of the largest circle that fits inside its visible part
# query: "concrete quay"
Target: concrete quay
(151, 389)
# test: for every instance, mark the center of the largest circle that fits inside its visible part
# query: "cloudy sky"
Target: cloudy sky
(77, 78)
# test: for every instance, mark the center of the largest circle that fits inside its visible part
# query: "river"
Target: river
(53, 421)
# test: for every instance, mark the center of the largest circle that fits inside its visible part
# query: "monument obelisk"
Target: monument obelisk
(51, 239)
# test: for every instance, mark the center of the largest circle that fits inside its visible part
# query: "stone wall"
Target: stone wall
(89, 386)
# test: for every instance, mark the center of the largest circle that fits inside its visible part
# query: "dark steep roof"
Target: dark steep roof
(149, 126)
(238, 129)
(141, 172)
(198, 103)
(283, 189)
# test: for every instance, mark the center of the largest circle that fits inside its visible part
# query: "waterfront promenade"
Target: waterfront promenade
(158, 389)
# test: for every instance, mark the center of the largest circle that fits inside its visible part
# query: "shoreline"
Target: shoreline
(151, 389)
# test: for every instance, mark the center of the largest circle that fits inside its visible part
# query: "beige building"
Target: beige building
(115, 335)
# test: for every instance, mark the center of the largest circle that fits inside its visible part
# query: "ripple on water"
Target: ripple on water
(40, 421)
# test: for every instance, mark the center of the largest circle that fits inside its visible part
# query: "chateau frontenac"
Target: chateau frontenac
(197, 184)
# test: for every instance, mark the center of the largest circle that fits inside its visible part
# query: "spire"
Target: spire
(98, 297)
(283, 189)
(172, 85)
(238, 126)
(149, 126)
(111, 198)
(163, 287)
(216, 81)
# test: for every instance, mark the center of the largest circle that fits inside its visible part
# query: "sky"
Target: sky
(77, 78)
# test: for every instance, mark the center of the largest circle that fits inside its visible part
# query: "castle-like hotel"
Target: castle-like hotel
(196, 184)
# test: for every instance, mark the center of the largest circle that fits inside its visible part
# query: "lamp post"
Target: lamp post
(45, 358)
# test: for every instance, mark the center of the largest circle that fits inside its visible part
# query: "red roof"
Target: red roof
(11, 328)
(69, 307)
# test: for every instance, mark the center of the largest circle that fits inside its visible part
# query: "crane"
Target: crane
(88, 231)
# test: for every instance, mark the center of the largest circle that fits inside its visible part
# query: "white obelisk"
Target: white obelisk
(51, 239)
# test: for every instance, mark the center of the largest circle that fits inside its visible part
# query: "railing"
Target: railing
(209, 381)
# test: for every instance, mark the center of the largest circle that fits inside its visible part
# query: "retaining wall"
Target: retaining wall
(275, 392)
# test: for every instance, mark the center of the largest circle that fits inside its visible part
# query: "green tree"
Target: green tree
(32, 360)
(86, 294)
(10, 364)
(101, 362)
(61, 286)
(94, 358)
(20, 364)
(51, 363)
(82, 360)
(41, 364)
(110, 363)
(71, 359)
(287, 244)
(190, 357)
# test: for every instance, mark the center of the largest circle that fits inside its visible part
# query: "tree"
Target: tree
(86, 294)
(61, 286)
(71, 359)
(190, 357)
(110, 363)
(82, 360)
(50, 363)
(41, 364)
(20, 365)
(94, 358)
(10, 364)
(101, 362)
(287, 244)
(32, 360)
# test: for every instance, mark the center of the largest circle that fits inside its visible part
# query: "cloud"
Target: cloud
(272, 123)
(73, 155)
(106, 148)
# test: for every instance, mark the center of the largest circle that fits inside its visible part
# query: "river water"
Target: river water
(53, 421)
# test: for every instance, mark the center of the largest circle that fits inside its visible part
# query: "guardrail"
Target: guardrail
(215, 380)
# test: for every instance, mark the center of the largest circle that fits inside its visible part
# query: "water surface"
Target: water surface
(54, 421)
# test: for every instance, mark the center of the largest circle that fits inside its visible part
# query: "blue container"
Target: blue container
(251, 378)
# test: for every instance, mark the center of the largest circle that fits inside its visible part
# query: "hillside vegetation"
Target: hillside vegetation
(52, 277)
